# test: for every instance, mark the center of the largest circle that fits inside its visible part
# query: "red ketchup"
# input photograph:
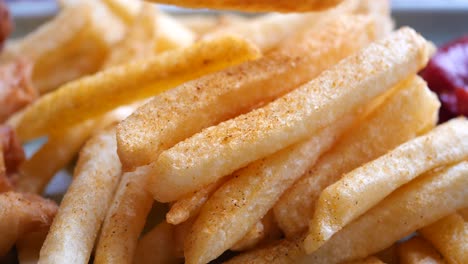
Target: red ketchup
(447, 75)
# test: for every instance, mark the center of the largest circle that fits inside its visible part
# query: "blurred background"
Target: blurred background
(437, 20)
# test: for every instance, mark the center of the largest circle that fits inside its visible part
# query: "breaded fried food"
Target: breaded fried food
(21, 213)
(5, 23)
(16, 90)
(256, 5)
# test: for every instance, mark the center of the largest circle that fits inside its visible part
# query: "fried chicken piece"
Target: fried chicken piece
(21, 213)
(6, 25)
(16, 90)
(11, 156)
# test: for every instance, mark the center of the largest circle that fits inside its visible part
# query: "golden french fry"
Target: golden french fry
(5, 184)
(417, 251)
(280, 252)
(256, 5)
(76, 101)
(339, 204)
(353, 82)
(251, 238)
(189, 206)
(267, 31)
(264, 231)
(410, 111)
(59, 150)
(98, 169)
(409, 208)
(71, 45)
(157, 246)
(171, 34)
(450, 236)
(29, 246)
(240, 203)
(141, 136)
(125, 219)
(139, 41)
(20, 214)
(180, 235)
(380, 10)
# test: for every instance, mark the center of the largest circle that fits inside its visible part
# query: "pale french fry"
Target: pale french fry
(76, 101)
(417, 204)
(189, 206)
(241, 202)
(22, 213)
(339, 204)
(140, 40)
(450, 236)
(157, 246)
(464, 213)
(141, 136)
(256, 5)
(59, 150)
(71, 45)
(75, 228)
(171, 34)
(125, 219)
(202, 24)
(29, 246)
(418, 251)
(267, 31)
(353, 82)
(126, 10)
(380, 10)
(410, 111)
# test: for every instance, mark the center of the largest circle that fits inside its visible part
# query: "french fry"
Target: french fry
(71, 45)
(171, 34)
(240, 203)
(410, 111)
(189, 206)
(180, 235)
(267, 31)
(76, 101)
(256, 5)
(251, 238)
(29, 246)
(417, 251)
(126, 10)
(409, 208)
(280, 252)
(195, 162)
(98, 169)
(59, 150)
(201, 25)
(125, 219)
(5, 184)
(157, 246)
(140, 138)
(380, 10)
(263, 232)
(140, 41)
(450, 236)
(417, 204)
(339, 204)
(22, 213)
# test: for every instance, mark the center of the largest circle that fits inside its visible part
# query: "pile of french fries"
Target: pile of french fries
(280, 138)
